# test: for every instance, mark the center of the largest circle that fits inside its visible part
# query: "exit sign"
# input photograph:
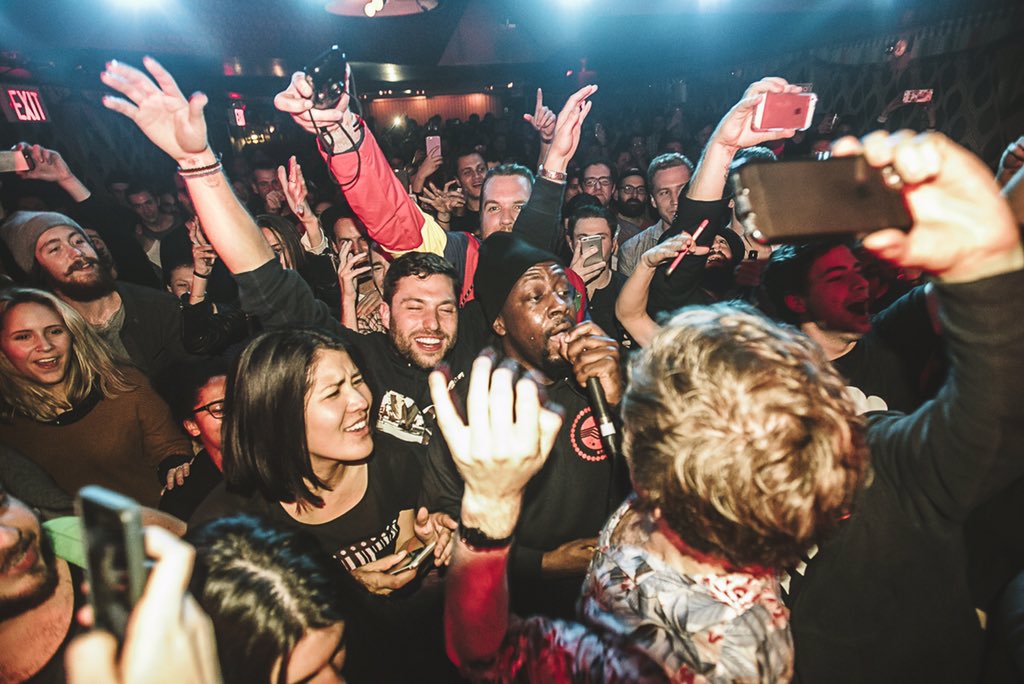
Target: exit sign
(23, 104)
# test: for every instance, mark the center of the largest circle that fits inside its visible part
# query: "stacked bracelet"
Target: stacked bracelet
(200, 171)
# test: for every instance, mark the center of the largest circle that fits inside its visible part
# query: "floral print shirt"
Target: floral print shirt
(716, 627)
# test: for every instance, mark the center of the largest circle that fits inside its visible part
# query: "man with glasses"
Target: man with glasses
(631, 204)
(197, 403)
(598, 179)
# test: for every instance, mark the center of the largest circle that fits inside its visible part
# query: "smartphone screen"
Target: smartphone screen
(433, 146)
(415, 559)
(591, 246)
(327, 74)
(783, 111)
(114, 556)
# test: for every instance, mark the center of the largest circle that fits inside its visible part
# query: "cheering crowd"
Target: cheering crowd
(809, 473)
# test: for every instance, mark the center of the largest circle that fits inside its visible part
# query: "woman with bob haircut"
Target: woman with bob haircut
(317, 270)
(272, 594)
(72, 406)
(298, 450)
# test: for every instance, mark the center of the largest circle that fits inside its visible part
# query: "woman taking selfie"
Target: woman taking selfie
(74, 408)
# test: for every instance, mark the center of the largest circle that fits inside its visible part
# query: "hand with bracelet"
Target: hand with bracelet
(566, 138)
(340, 122)
(203, 259)
(295, 193)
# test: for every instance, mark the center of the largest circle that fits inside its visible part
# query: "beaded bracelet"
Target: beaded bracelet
(201, 170)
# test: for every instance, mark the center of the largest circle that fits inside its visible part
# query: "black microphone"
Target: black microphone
(605, 424)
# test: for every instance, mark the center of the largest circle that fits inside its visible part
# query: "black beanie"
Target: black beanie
(735, 244)
(503, 259)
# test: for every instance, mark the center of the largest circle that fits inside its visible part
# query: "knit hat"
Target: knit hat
(735, 244)
(22, 230)
(503, 259)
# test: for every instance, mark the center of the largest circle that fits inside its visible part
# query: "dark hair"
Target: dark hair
(465, 152)
(335, 213)
(421, 265)
(138, 188)
(183, 382)
(285, 232)
(633, 171)
(590, 211)
(507, 170)
(669, 160)
(786, 274)
(263, 587)
(602, 161)
(265, 446)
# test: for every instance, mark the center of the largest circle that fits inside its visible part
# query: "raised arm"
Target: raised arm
(966, 236)
(631, 306)
(177, 126)
(733, 133)
(543, 121)
(370, 186)
(496, 456)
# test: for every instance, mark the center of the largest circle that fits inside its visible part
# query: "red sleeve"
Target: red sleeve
(376, 195)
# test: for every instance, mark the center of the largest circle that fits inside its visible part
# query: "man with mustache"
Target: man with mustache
(631, 204)
(39, 594)
(141, 323)
(526, 299)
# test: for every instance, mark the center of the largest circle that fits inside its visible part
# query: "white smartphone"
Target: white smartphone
(591, 244)
(415, 559)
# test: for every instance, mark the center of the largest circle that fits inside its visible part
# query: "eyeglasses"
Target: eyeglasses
(602, 181)
(633, 190)
(214, 408)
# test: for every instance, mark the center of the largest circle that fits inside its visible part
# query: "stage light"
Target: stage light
(398, 122)
(509, 85)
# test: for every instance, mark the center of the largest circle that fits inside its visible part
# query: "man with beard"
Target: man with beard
(141, 323)
(631, 204)
(39, 595)
(525, 297)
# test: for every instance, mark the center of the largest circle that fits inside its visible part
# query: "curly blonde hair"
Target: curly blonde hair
(739, 431)
(92, 362)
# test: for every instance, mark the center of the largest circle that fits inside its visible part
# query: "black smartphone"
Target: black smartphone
(115, 555)
(414, 559)
(328, 76)
(795, 201)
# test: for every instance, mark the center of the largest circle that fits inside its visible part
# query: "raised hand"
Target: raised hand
(161, 112)
(587, 273)
(294, 186)
(506, 441)
(568, 129)
(297, 100)
(735, 129)
(49, 165)
(1011, 161)
(350, 268)
(443, 201)
(436, 527)
(543, 120)
(963, 228)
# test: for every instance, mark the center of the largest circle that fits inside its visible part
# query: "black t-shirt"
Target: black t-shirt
(184, 499)
(363, 534)
(467, 223)
(875, 369)
(602, 308)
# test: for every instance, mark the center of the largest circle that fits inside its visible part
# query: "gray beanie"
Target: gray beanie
(22, 230)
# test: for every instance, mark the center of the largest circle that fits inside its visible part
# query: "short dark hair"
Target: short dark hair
(786, 274)
(600, 160)
(420, 265)
(669, 160)
(264, 587)
(466, 152)
(633, 171)
(590, 211)
(182, 385)
(265, 445)
(507, 170)
(139, 188)
(289, 238)
(333, 214)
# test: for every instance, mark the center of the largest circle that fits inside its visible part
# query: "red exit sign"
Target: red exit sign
(23, 103)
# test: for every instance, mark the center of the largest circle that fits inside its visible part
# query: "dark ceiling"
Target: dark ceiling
(55, 40)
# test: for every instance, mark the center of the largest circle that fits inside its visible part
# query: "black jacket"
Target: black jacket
(887, 598)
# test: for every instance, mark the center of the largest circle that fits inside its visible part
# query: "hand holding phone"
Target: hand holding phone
(17, 160)
(433, 146)
(784, 111)
(591, 246)
(415, 559)
(115, 555)
(328, 75)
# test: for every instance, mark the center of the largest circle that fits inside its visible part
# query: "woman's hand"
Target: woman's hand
(568, 127)
(543, 120)
(376, 578)
(161, 112)
(445, 201)
(203, 254)
(295, 191)
(670, 249)
(438, 527)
